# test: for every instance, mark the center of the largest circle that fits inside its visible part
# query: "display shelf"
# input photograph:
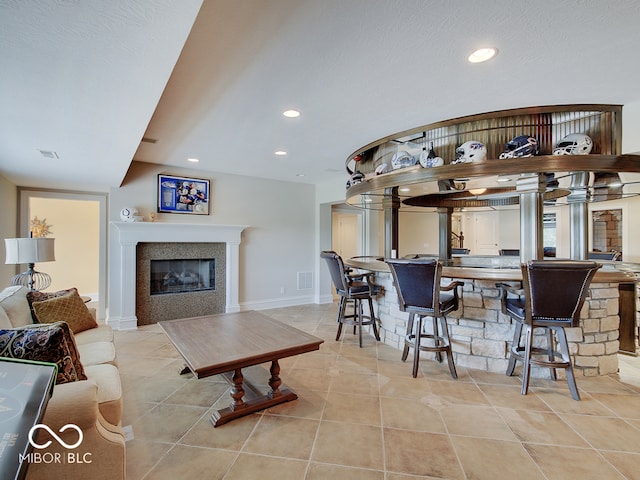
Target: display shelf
(492, 182)
(464, 182)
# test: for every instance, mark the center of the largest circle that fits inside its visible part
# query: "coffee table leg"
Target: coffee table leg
(237, 392)
(240, 407)
(274, 381)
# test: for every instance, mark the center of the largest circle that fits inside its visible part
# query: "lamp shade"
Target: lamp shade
(29, 250)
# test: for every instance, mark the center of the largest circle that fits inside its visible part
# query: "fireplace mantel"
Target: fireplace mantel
(124, 236)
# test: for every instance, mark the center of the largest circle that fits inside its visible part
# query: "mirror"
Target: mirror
(607, 231)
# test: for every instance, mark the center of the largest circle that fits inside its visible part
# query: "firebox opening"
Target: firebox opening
(182, 275)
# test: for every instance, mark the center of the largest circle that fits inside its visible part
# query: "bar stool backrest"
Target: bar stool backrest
(603, 255)
(337, 271)
(556, 290)
(417, 283)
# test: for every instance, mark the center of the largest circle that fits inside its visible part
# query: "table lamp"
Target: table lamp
(30, 251)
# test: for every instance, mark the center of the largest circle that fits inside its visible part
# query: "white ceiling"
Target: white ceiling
(87, 78)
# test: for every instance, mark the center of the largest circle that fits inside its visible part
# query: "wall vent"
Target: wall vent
(48, 154)
(305, 280)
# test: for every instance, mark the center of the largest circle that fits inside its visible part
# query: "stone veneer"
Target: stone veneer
(155, 308)
(481, 335)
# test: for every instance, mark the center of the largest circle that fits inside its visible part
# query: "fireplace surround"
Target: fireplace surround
(178, 280)
(123, 240)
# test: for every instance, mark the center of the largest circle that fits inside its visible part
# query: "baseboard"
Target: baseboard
(278, 303)
(123, 323)
(322, 299)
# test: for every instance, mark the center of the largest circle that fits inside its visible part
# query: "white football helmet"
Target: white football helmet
(382, 168)
(354, 179)
(402, 159)
(429, 162)
(574, 144)
(470, 151)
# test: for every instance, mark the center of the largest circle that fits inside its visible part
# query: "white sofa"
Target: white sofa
(94, 404)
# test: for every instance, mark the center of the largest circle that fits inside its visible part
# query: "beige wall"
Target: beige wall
(75, 226)
(279, 242)
(8, 225)
(418, 233)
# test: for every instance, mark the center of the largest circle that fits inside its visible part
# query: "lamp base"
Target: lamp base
(32, 280)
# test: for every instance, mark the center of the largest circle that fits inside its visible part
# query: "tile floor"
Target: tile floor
(361, 415)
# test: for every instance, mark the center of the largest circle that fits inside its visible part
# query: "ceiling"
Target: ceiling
(90, 79)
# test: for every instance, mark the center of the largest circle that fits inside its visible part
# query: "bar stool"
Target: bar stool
(420, 293)
(352, 287)
(551, 298)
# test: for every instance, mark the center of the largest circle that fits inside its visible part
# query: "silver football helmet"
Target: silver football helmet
(574, 144)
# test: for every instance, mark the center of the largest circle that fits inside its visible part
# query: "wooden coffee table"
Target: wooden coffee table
(227, 343)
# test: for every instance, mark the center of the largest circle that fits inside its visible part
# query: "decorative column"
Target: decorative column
(578, 213)
(444, 232)
(391, 204)
(531, 190)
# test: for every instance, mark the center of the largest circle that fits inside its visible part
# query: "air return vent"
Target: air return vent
(305, 280)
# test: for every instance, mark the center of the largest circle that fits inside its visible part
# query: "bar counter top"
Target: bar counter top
(499, 268)
(481, 334)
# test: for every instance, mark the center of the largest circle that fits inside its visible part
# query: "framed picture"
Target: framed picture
(183, 195)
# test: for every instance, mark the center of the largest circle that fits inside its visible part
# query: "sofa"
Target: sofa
(87, 393)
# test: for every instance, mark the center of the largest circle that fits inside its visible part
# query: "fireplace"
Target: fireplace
(178, 280)
(123, 276)
(182, 275)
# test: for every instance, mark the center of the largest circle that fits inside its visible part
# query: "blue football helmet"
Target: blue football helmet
(521, 146)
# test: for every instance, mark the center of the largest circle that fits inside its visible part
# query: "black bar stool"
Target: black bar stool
(551, 298)
(420, 293)
(352, 287)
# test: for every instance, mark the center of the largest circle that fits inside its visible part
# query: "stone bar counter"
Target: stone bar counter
(481, 335)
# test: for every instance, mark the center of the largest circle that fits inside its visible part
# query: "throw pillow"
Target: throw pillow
(36, 296)
(68, 308)
(12, 300)
(53, 343)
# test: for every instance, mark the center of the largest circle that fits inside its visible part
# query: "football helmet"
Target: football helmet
(402, 159)
(382, 168)
(354, 179)
(470, 151)
(574, 144)
(429, 159)
(521, 146)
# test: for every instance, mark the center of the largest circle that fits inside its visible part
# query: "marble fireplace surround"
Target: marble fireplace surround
(124, 237)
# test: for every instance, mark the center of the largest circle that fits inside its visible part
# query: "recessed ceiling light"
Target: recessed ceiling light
(193, 160)
(482, 55)
(299, 174)
(405, 189)
(291, 113)
(280, 153)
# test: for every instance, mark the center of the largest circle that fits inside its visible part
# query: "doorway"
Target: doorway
(346, 232)
(486, 233)
(77, 221)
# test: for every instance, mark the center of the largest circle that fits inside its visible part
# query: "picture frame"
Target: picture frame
(183, 195)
